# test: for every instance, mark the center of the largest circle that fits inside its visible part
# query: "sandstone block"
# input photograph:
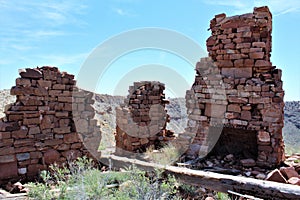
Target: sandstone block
(7, 159)
(45, 84)
(276, 176)
(263, 63)
(243, 72)
(289, 172)
(51, 156)
(23, 156)
(7, 151)
(259, 44)
(248, 162)
(214, 110)
(263, 137)
(71, 138)
(246, 115)
(30, 73)
(256, 55)
(294, 181)
(234, 108)
(8, 170)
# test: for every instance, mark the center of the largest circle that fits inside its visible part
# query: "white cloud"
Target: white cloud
(233, 3)
(277, 7)
(26, 23)
(60, 60)
(123, 12)
(21, 47)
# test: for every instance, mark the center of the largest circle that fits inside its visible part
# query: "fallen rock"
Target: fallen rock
(209, 198)
(51, 156)
(289, 172)
(294, 181)
(229, 157)
(260, 176)
(193, 151)
(248, 162)
(276, 176)
(30, 73)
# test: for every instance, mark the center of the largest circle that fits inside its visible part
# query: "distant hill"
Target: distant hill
(105, 114)
(291, 130)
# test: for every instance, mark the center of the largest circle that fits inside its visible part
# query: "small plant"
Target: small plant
(165, 156)
(81, 181)
(222, 196)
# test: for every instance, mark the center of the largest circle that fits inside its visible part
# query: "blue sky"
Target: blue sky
(63, 33)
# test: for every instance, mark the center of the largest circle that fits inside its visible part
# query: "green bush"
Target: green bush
(81, 181)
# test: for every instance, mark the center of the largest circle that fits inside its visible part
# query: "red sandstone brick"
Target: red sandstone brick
(8, 170)
(5, 135)
(229, 46)
(23, 82)
(262, 63)
(243, 72)
(51, 156)
(257, 55)
(224, 63)
(243, 45)
(22, 133)
(71, 138)
(246, 115)
(30, 73)
(259, 44)
(276, 176)
(239, 63)
(31, 121)
(234, 108)
(289, 172)
(45, 84)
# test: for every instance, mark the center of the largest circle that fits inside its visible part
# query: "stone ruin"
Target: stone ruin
(235, 106)
(51, 121)
(237, 93)
(142, 119)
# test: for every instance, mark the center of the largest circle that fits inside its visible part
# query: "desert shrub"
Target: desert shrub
(81, 181)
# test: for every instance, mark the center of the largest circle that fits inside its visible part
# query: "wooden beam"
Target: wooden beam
(214, 181)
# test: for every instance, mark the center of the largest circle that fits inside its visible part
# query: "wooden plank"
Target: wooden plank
(215, 181)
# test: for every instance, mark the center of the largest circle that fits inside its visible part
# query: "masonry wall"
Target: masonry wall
(50, 122)
(237, 86)
(142, 119)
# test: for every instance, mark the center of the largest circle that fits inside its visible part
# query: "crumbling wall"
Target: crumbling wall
(142, 119)
(238, 87)
(51, 121)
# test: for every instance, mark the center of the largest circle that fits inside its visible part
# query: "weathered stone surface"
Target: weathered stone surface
(276, 176)
(40, 120)
(248, 162)
(30, 73)
(7, 159)
(51, 156)
(71, 138)
(215, 110)
(7, 151)
(8, 170)
(23, 156)
(263, 137)
(22, 133)
(234, 108)
(72, 154)
(35, 169)
(294, 181)
(289, 172)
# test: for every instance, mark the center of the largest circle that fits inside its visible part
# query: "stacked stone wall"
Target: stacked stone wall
(50, 122)
(238, 87)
